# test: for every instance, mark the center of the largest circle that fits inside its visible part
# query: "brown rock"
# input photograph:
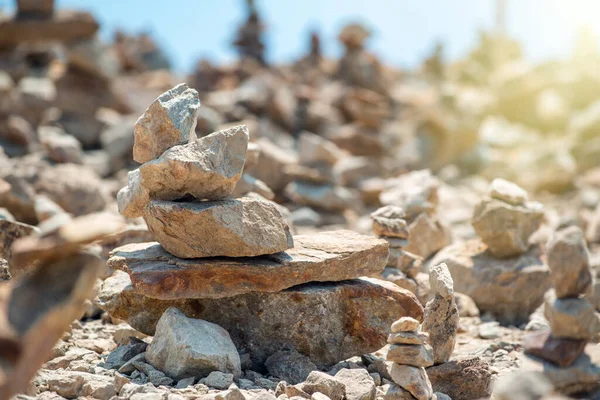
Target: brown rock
(417, 355)
(561, 352)
(462, 379)
(64, 26)
(413, 379)
(40, 307)
(11, 231)
(511, 289)
(169, 121)
(358, 315)
(389, 221)
(427, 235)
(571, 318)
(244, 227)
(408, 337)
(506, 228)
(569, 264)
(327, 256)
(61, 236)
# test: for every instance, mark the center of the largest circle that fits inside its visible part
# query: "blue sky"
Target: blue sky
(405, 30)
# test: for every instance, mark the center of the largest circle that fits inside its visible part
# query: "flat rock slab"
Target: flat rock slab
(244, 227)
(327, 322)
(327, 256)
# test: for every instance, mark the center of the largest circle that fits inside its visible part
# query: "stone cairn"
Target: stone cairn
(501, 270)
(505, 219)
(409, 224)
(409, 354)
(233, 262)
(572, 318)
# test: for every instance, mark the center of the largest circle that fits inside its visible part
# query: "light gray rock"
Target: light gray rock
(505, 228)
(393, 392)
(326, 197)
(359, 384)
(169, 121)
(441, 314)
(321, 382)
(507, 192)
(60, 146)
(427, 235)
(522, 386)
(571, 318)
(413, 379)
(290, 366)
(389, 221)
(206, 168)
(218, 380)
(244, 227)
(314, 149)
(415, 192)
(405, 324)
(569, 264)
(184, 347)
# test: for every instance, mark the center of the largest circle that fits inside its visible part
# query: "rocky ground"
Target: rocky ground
(264, 230)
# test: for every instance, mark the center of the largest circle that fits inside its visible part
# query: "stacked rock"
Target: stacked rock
(572, 318)
(417, 194)
(501, 270)
(505, 219)
(409, 354)
(233, 262)
(408, 222)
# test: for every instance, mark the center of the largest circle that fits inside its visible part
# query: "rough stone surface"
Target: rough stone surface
(415, 192)
(441, 314)
(11, 231)
(185, 347)
(359, 384)
(360, 313)
(206, 168)
(389, 221)
(169, 121)
(511, 289)
(394, 392)
(405, 324)
(326, 197)
(462, 379)
(408, 338)
(571, 318)
(562, 352)
(413, 379)
(244, 227)
(507, 192)
(505, 228)
(321, 382)
(568, 260)
(427, 235)
(290, 366)
(327, 256)
(417, 355)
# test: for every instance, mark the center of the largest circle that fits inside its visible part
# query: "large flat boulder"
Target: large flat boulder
(327, 322)
(244, 227)
(322, 257)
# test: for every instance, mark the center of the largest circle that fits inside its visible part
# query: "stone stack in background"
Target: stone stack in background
(560, 352)
(233, 262)
(501, 270)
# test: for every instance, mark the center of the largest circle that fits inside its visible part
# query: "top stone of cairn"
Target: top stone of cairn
(169, 121)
